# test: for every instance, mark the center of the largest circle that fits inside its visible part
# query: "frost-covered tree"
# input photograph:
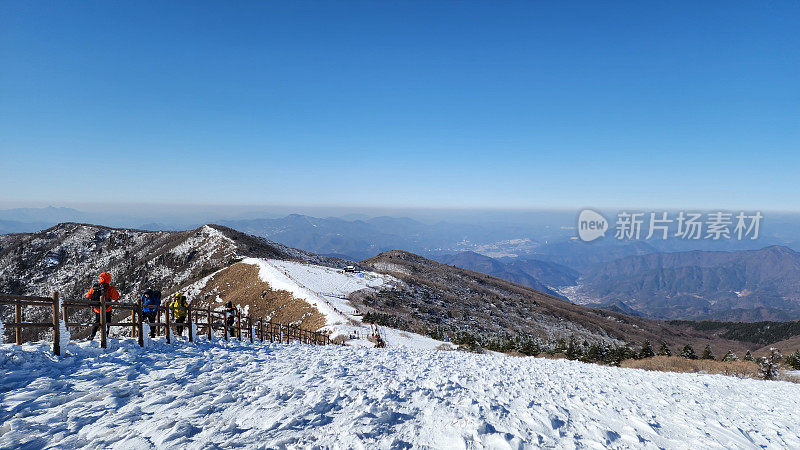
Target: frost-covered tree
(748, 356)
(561, 346)
(707, 353)
(436, 333)
(595, 353)
(730, 357)
(793, 360)
(573, 350)
(769, 365)
(615, 356)
(529, 347)
(646, 351)
(664, 350)
(688, 352)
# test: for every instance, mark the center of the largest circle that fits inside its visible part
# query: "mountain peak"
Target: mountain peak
(777, 250)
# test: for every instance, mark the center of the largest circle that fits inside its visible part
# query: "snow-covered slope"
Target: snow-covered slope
(327, 289)
(219, 394)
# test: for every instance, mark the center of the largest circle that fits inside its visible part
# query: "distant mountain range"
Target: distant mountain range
(428, 294)
(68, 257)
(360, 239)
(632, 277)
(540, 275)
(751, 285)
(747, 286)
(26, 220)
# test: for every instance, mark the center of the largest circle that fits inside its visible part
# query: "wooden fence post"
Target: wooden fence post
(225, 323)
(18, 320)
(208, 319)
(166, 324)
(133, 322)
(139, 320)
(189, 318)
(103, 342)
(238, 325)
(56, 327)
(64, 316)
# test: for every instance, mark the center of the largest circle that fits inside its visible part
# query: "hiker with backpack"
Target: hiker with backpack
(151, 300)
(179, 308)
(230, 308)
(103, 286)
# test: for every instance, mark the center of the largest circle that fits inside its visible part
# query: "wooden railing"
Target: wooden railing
(18, 301)
(205, 319)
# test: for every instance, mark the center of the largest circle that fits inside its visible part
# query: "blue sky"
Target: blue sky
(402, 104)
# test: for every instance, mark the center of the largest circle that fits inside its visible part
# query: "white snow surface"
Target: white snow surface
(227, 394)
(327, 289)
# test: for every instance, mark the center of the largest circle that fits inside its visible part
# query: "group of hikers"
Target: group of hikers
(151, 302)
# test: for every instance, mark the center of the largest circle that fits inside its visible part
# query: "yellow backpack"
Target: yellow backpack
(179, 304)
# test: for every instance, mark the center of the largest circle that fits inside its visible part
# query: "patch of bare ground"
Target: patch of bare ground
(741, 369)
(241, 285)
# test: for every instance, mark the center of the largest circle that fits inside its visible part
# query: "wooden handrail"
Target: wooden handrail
(255, 327)
(23, 297)
(47, 302)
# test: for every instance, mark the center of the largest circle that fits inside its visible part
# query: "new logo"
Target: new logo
(591, 225)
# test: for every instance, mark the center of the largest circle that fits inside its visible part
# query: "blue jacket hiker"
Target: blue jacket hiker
(151, 300)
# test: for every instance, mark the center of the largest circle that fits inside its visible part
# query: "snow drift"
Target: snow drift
(229, 394)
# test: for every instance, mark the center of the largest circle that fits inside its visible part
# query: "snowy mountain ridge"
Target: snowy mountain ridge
(69, 256)
(293, 286)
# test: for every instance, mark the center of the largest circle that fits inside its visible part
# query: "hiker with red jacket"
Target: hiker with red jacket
(103, 286)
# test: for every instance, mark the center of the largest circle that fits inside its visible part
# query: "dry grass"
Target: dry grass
(241, 284)
(790, 377)
(742, 369)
